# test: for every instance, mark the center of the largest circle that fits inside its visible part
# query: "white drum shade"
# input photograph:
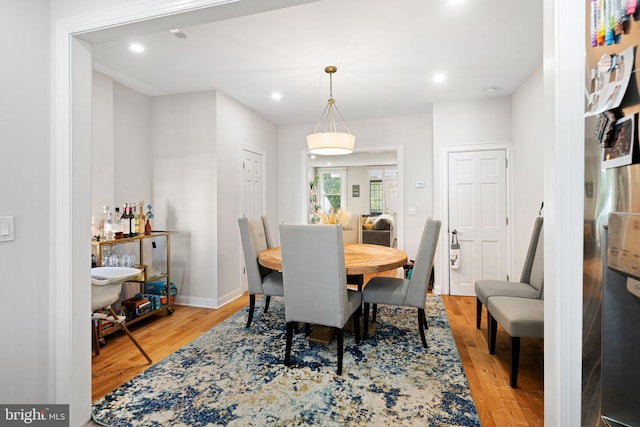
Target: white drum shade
(331, 143)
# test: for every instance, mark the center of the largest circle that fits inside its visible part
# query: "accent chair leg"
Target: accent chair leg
(515, 360)
(307, 329)
(131, 337)
(252, 307)
(493, 331)
(95, 324)
(478, 312)
(365, 333)
(421, 321)
(340, 342)
(287, 351)
(267, 300)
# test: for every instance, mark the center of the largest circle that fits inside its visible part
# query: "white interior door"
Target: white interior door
(252, 198)
(252, 182)
(478, 212)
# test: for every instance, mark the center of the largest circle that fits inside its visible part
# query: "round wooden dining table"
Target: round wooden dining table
(359, 258)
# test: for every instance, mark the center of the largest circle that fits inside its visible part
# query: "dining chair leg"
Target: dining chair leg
(478, 312)
(515, 360)
(287, 352)
(421, 321)
(252, 307)
(356, 324)
(365, 333)
(307, 329)
(493, 331)
(375, 312)
(424, 320)
(340, 342)
(267, 300)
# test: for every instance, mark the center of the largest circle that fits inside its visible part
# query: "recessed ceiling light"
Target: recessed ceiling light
(439, 78)
(313, 156)
(136, 47)
(276, 96)
(492, 89)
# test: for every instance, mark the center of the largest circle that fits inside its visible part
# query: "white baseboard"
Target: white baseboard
(194, 301)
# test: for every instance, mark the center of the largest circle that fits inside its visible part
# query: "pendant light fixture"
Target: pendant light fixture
(326, 139)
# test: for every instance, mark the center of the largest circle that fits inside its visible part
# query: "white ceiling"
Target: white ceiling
(386, 53)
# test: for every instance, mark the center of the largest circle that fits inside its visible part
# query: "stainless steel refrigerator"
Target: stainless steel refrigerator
(611, 313)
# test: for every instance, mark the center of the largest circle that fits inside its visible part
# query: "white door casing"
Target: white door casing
(478, 212)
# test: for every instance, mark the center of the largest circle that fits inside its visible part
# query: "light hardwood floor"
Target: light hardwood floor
(488, 375)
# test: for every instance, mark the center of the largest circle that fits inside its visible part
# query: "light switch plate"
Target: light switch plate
(6, 229)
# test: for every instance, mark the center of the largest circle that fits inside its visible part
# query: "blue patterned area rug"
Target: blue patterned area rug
(235, 376)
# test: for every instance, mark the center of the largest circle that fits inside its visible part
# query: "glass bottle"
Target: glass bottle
(131, 221)
(117, 222)
(141, 218)
(108, 226)
(136, 221)
(126, 227)
(102, 222)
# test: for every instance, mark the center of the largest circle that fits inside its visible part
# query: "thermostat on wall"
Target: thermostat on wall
(419, 184)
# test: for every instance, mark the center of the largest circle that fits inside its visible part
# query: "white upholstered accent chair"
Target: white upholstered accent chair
(315, 282)
(255, 238)
(531, 280)
(406, 292)
(104, 293)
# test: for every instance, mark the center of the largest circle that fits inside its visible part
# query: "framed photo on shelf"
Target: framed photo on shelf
(624, 146)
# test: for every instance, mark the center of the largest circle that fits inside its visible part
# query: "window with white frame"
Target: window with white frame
(332, 189)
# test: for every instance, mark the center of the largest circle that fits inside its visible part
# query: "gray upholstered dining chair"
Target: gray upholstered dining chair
(315, 282)
(531, 280)
(255, 238)
(406, 292)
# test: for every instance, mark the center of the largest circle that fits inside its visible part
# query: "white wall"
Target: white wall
(471, 122)
(527, 164)
(172, 151)
(412, 133)
(240, 128)
(358, 175)
(102, 150)
(120, 145)
(183, 131)
(516, 120)
(132, 146)
(24, 194)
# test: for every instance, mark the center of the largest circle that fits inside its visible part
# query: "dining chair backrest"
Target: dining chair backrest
(531, 252)
(533, 268)
(417, 289)
(314, 274)
(254, 240)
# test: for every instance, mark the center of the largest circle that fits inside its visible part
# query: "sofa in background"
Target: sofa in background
(378, 230)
